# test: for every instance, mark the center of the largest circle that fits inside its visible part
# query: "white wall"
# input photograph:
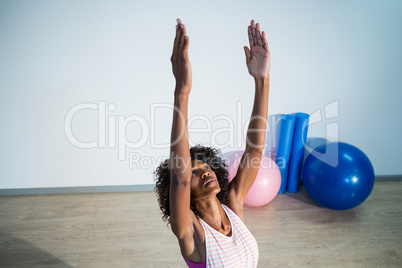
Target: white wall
(55, 55)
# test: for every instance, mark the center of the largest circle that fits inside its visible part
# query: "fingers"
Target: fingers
(253, 32)
(183, 35)
(181, 40)
(250, 37)
(258, 35)
(256, 38)
(264, 40)
(177, 38)
(248, 55)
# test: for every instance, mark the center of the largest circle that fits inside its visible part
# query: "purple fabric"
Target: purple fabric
(195, 265)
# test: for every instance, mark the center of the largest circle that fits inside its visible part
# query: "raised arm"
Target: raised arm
(180, 161)
(258, 64)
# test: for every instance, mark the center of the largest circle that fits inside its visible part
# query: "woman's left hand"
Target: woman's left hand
(257, 57)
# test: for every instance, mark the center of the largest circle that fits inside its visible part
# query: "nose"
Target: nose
(205, 174)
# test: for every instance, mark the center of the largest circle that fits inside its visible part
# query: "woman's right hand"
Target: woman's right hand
(180, 61)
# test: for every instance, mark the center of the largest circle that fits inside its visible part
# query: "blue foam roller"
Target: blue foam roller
(285, 136)
(297, 154)
(272, 135)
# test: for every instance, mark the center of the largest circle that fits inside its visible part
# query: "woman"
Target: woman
(204, 210)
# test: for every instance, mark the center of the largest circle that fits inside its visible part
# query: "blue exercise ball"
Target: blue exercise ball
(338, 176)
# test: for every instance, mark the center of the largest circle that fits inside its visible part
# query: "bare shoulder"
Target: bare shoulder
(192, 244)
(234, 204)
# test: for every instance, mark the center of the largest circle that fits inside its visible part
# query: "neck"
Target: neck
(211, 211)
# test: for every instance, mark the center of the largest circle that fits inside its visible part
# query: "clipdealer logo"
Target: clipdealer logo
(112, 130)
(109, 124)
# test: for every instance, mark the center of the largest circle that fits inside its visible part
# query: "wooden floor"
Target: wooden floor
(126, 230)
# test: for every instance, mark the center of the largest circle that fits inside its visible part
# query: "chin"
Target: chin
(214, 191)
(217, 190)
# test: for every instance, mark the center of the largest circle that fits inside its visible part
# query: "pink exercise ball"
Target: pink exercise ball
(267, 183)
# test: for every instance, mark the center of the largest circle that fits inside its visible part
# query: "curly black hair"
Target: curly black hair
(208, 155)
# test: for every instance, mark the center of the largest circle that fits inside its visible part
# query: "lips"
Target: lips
(209, 181)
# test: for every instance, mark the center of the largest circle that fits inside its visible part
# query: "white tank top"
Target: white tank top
(238, 250)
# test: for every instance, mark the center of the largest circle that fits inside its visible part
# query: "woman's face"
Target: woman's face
(203, 180)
